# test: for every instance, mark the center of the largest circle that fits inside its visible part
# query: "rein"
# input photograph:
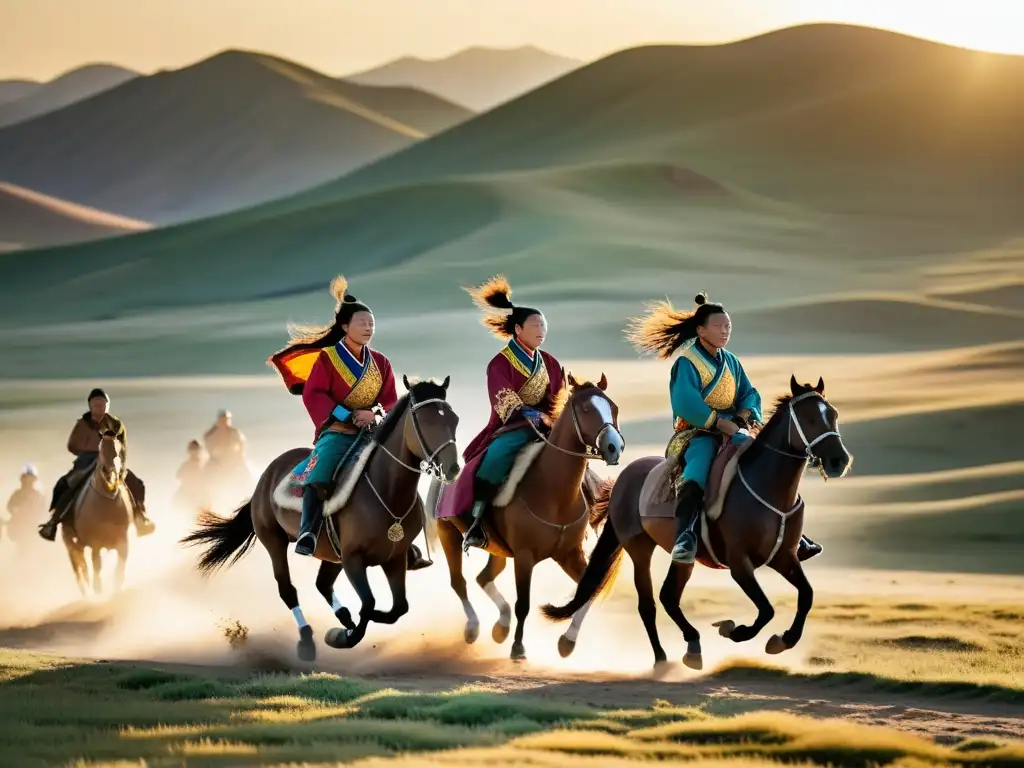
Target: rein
(589, 451)
(429, 465)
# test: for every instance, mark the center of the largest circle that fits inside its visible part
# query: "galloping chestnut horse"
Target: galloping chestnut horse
(761, 522)
(547, 516)
(375, 527)
(102, 517)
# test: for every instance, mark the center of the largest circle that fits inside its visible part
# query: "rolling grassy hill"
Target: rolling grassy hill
(230, 131)
(71, 87)
(479, 78)
(776, 172)
(29, 219)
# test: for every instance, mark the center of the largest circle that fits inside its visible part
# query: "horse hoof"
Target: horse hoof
(694, 661)
(345, 617)
(471, 633)
(306, 648)
(725, 628)
(337, 637)
(775, 645)
(565, 646)
(518, 652)
(499, 633)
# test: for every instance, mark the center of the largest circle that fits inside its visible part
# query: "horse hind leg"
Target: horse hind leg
(277, 547)
(325, 581)
(77, 557)
(451, 543)
(640, 553)
(792, 571)
(743, 574)
(671, 600)
(574, 564)
(485, 579)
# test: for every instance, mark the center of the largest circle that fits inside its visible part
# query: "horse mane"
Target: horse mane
(563, 397)
(421, 390)
(780, 402)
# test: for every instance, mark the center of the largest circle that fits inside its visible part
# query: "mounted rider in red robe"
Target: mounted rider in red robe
(523, 383)
(342, 382)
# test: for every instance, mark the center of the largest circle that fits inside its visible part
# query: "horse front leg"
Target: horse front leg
(77, 557)
(326, 578)
(672, 601)
(451, 543)
(485, 580)
(742, 572)
(355, 570)
(122, 562)
(792, 571)
(97, 571)
(524, 576)
(395, 570)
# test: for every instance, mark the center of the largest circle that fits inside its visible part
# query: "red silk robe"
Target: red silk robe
(511, 386)
(338, 384)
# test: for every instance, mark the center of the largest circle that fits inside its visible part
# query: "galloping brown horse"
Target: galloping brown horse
(102, 515)
(760, 523)
(546, 517)
(374, 525)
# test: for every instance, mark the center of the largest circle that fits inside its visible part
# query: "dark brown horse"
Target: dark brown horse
(375, 523)
(102, 515)
(546, 515)
(760, 523)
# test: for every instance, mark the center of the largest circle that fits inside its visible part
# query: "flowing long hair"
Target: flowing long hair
(664, 328)
(501, 316)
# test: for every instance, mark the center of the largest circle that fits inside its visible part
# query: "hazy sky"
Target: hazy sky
(41, 38)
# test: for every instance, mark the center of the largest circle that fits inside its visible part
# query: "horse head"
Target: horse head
(595, 417)
(109, 462)
(814, 429)
(429, 430)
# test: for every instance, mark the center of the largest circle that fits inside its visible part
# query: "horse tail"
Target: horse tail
(602, 495)
(599, 575)
(226, 536)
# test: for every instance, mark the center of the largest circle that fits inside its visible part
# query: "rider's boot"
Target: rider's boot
(483, 496)
(143, 525)
(807, 549)
(415, 559)
(312, 519)
(688, 505)
(58, 507)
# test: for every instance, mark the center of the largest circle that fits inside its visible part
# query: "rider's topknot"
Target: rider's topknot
(664, 328)
(501, 316)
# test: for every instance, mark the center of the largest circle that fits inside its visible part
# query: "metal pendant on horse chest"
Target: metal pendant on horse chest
(396, 532)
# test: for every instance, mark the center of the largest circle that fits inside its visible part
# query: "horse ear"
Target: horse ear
(405, 381)
(820, 387)
(794, 386)
(447, 381)
(603, 383)
(572, 380)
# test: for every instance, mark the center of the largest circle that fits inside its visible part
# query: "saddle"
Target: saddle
(658, 495)
(288, 494)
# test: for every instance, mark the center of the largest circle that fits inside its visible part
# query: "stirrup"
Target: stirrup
(306, 544)
(479, 541)
(683, 554)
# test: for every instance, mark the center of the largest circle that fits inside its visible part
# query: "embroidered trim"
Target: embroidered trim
(536, 387)
(339, 365)
(505, 403)
(722, 397)
(704, 369)
(518, 364)
(366, 391)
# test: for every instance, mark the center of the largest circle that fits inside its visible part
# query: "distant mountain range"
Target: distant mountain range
(230, 131)
(479, 78)
(22, 100)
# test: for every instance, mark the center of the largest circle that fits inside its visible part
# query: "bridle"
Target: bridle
(808, 455)
(429, 463)
(589, 451)
(113, 478)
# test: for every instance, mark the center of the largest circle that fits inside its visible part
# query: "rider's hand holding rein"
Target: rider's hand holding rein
(363, 418)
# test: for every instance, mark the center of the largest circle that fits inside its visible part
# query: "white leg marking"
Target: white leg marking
(335, 602)
(503, 607)
(300, 620)
(577, 621)
(471, 618)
